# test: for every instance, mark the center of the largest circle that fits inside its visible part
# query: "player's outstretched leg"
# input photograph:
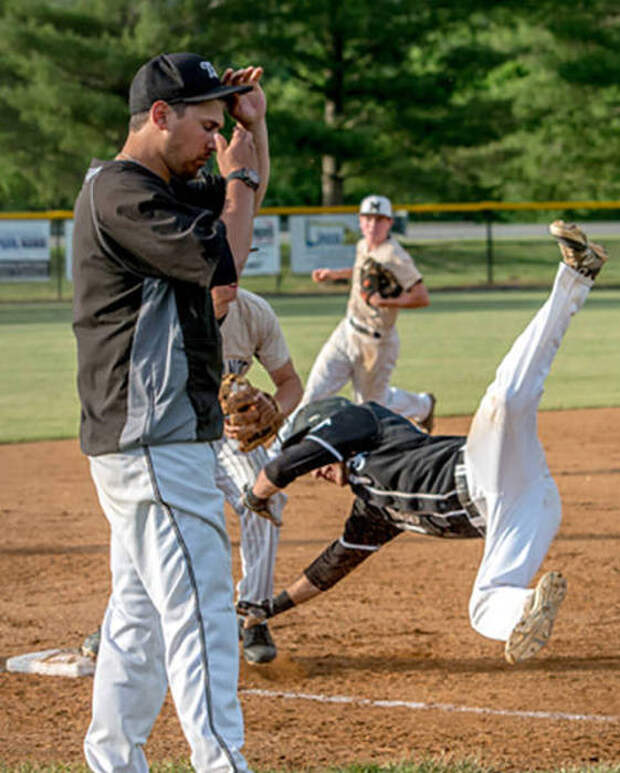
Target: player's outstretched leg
(533, 630)
(521, 525)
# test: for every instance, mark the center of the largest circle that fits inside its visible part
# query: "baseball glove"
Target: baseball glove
(376, 278)
(251, 417)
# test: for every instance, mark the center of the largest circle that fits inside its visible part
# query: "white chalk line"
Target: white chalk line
(421, 706)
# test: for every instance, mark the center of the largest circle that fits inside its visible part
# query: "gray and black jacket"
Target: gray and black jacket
(149, 349)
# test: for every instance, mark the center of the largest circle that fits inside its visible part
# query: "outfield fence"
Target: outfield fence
(467, 244)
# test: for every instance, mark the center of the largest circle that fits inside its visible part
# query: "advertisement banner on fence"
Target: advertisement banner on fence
(264, 261)
(24, 250)
(322, 241)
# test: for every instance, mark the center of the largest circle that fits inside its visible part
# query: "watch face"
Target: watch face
(252, 176)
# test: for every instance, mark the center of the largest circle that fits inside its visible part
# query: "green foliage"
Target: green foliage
(423, 101)
(66, 68)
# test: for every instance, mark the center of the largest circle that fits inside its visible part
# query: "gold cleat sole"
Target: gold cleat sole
(532, 632)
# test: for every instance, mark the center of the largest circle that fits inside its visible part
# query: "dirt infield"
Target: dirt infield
(390, 640)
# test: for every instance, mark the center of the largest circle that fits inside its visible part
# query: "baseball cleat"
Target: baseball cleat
(577, 252)
(532, 632)
(90, 646)
(429, 422)
(258, 646)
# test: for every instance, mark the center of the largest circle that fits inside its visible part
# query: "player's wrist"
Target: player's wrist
(280, 603)
(255, 502)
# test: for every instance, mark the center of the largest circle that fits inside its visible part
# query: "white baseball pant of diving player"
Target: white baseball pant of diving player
(503, 454)
(350, 355)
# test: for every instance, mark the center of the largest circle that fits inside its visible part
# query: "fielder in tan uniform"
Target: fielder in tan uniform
(250, 329)
(364, 347)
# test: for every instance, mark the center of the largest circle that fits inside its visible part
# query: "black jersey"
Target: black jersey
(149, 351)
(393, 468)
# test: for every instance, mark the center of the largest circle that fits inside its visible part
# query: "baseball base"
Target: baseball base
(56, 662)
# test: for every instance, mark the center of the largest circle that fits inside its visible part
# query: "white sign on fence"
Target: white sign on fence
(266, 237)
(322, 241)
(24, 250)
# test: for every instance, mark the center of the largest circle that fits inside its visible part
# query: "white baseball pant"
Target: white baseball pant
(259, 537)
(367, 363)
(170, 619)
(507, 473)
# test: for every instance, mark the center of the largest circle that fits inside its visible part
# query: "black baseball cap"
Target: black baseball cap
(177, 78)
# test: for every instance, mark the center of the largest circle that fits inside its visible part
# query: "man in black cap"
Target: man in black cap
(151, 236)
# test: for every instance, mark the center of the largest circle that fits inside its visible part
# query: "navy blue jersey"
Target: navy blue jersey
(393, 468)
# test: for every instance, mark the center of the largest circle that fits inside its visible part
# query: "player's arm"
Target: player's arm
(335, 562)
(250, 111)
(238, 214)
(330, 274)
(289, 465)
(289, 389)
(416, 297)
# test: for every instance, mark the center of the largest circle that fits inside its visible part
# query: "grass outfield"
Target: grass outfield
(450, 348)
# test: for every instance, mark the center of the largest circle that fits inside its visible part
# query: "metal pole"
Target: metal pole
(488, 215)
(58, 261)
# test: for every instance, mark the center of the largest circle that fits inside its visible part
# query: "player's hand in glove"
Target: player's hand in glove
(259, 506)
(376, 278)
(251, 417)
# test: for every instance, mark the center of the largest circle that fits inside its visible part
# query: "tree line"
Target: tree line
(441, 100)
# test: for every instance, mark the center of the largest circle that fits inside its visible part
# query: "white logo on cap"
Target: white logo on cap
(204, 65)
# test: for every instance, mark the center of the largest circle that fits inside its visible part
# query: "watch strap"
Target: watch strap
(247, 176)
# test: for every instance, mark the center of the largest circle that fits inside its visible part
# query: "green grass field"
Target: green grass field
(450, 348)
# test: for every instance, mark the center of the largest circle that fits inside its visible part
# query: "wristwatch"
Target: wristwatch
(248, 176)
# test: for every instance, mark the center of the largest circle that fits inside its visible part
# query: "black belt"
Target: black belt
(464, 497)
(361, 329)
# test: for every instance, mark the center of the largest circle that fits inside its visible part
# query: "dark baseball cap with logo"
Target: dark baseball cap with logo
(178, 78)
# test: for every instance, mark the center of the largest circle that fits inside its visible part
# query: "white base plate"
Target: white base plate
(56, 662)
